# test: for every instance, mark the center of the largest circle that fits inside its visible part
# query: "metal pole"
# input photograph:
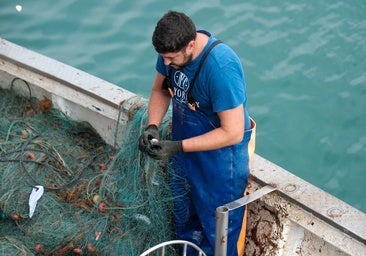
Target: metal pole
(221, 230)
(222, 217)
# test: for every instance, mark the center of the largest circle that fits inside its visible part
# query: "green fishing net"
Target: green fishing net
(97, 200)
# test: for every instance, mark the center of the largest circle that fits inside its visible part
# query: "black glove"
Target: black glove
(164, 149)
(151, 132)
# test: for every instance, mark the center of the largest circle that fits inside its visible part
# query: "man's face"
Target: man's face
(178, 60)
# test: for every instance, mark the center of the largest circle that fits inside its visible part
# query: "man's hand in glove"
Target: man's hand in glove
(151, 132)
(164, 149)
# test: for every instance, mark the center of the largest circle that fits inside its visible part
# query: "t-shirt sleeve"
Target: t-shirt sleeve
(160, 66)
(227, 82)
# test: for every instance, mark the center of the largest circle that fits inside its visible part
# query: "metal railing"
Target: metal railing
(162, 247)
(222, 217)
(221, 231)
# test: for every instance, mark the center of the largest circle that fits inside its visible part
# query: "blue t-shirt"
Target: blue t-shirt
(220, 84)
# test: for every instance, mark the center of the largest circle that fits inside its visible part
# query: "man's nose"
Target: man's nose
(167, 61)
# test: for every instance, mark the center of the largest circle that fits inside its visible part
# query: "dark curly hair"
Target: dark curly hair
(173, 32)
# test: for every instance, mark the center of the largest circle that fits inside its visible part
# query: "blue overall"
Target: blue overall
(202, 181)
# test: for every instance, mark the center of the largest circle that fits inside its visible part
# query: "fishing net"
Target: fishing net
(97, 200)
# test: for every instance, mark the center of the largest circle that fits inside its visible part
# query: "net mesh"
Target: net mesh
(98, 200)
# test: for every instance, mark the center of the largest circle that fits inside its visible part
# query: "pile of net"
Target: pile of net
(97, 199)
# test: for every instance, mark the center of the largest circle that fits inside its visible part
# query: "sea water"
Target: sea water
(305, 66)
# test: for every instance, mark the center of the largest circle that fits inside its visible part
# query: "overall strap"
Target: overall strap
(190, 98)
(167, 84)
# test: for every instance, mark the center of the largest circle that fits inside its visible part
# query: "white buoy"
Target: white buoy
(154, 141)
(18, 7)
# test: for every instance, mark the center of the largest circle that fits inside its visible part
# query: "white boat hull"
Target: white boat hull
(295, 219)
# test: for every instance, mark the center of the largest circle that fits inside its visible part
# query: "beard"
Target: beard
(186, 60)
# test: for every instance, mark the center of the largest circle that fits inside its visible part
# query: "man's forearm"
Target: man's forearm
(158, 106)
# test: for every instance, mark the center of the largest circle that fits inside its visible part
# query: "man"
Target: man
(211, 127)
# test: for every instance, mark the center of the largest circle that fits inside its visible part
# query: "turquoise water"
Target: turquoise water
(304, 62)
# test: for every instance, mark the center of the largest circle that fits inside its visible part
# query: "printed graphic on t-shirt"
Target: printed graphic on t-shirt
(181, 87)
